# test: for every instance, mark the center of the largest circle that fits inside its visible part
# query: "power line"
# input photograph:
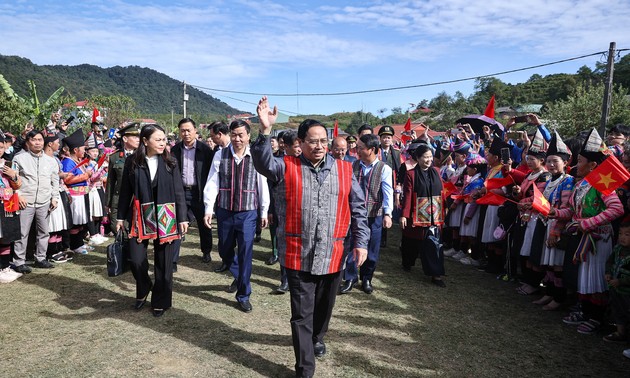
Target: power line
(406, 86)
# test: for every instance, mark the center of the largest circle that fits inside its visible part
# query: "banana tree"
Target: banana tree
(37, 111)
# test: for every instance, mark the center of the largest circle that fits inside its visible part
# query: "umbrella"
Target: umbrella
(478, 121)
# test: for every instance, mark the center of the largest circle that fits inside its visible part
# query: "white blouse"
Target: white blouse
(152, 162)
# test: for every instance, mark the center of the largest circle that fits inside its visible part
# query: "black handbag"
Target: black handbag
(115, 256)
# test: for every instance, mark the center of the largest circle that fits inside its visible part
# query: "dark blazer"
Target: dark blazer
(395, 156)
(203, 161)
(129, 189)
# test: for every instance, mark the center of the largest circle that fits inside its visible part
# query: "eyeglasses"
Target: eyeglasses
(315, 142)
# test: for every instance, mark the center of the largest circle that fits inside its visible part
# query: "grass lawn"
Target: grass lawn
(75, 321)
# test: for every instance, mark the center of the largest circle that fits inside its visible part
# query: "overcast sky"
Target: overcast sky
(286, 47)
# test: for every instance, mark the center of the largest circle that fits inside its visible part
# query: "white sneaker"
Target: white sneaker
(82, 250)
(103, 238)
(96, 240)
(450, 252)
(9, 275)
(459, 255)
(469, 261)
(626, 353)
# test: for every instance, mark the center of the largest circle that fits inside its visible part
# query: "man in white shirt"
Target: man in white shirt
(239, 190)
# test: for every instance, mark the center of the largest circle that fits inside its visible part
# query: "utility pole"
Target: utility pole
(185, 99)
(608, 87)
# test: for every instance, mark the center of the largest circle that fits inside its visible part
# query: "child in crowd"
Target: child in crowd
(618, 278)
(96, 194)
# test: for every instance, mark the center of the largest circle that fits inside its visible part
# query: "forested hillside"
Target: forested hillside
(153, 92)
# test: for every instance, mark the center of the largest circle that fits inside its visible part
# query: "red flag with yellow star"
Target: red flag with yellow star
(608, 176)
(491, 199)
(12, 204)
(448, 188)
(540, 203)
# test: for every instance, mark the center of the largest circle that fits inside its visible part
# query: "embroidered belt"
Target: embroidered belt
(78, 190)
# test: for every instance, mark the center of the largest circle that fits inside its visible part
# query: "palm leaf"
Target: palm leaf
(34, 100)
(53, 97)
(6, 87)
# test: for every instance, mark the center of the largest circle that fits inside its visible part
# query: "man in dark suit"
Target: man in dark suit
(390, 156)
(194, 159)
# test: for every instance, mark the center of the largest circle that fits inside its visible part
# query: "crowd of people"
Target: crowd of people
(517, 205)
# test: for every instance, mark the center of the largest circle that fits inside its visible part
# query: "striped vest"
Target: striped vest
(313, 219)
(238, 187)
(371, 184)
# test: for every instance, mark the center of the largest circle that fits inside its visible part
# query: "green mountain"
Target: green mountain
(153, 92)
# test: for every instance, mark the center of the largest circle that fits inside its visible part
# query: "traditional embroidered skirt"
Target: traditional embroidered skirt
(80, 208)
(58, 218)
(471, 228)
(455, 216)
(529, 235)
(591, 273)
(491, 222)
(96, 202)
(552, 256)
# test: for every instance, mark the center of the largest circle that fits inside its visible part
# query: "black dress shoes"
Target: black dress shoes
(438, 282)
(233, 287)
(206, 258)
(157, 312)
(283, 288)
(139, 304)
(245, 306)
(367, 286)
(319, 348)
(272, 260)
(346, 287)
(222, 268)
(257, 238)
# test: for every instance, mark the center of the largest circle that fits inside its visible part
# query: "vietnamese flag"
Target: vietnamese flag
(406, 135)
(82, 163)
(540, 203)
(460, 196)
(408, 124)
(95, 114)
(101, 160)
(608, 176)
(336, 129)
(489, 112)
(448, 188)
(491, 199)
(496, 183)
(12, 204)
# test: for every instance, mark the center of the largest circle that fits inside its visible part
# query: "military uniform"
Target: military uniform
(114, 176)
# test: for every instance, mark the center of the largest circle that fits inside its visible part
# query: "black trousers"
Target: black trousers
(432, 264)
(312, 301)
(196, 210)
(162, 296)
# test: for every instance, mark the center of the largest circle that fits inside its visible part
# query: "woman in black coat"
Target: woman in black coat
(152, 200)
(422, 191)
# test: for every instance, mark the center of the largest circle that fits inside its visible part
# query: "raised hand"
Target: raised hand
(266, 116)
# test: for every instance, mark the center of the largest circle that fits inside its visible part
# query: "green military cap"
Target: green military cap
(132, 128)
(351, 139)
(386, 130)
